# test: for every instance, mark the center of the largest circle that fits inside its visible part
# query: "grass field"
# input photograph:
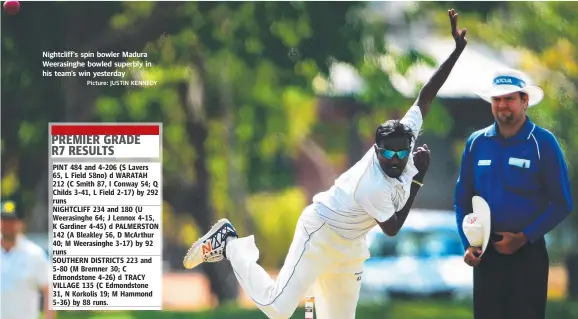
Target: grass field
(198, 303)
(396, 310)
(200, 298)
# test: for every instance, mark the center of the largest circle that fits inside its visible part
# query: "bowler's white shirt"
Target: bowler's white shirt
(25, 270)
(364, 193)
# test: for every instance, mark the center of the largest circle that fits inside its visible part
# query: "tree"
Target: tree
(234, 95)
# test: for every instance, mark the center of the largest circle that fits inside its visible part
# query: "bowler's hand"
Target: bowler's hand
(421, 159)
(510, 242)
(472, 256)
(459, 35)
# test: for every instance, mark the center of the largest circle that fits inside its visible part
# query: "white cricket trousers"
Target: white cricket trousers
(317, 258)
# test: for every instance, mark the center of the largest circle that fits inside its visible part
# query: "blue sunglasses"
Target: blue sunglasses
(389, 154)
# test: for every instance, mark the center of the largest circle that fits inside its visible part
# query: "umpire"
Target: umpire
(520, 170)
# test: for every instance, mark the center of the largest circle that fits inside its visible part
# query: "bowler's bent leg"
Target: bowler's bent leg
(337, 291)
(279, 298)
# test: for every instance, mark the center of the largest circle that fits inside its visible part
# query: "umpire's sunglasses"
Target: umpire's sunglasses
(389, 154)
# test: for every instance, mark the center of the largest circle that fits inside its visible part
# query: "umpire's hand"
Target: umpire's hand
(471, 257)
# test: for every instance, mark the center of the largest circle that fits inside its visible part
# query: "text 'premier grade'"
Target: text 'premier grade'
(106, 217)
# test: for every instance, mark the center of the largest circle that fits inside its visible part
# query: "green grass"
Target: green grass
(394, 310)
(430, 310)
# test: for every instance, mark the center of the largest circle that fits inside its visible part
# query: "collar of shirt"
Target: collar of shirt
(523, 133)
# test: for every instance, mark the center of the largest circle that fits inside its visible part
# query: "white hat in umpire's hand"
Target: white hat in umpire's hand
(510, 81)
(477, 225)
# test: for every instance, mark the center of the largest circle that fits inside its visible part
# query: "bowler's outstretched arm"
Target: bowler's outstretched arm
(431, 88)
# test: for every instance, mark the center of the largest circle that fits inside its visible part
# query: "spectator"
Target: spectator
(25, 270)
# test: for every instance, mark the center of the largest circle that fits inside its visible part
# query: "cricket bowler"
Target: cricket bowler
(329, 246)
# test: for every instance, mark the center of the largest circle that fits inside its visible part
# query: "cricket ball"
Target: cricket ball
(11, 7)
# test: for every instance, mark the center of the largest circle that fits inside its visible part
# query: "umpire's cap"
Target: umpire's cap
(9, 210)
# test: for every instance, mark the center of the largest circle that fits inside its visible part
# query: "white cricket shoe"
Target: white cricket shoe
(211, 247)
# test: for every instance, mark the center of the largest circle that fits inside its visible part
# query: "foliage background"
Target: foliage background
(244, 95)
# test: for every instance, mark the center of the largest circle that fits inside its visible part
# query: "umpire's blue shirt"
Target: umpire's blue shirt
(524, 179)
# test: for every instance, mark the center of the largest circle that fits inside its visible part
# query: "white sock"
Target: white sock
(227, 241)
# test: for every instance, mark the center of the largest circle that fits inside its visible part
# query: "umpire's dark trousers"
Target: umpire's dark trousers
(512, 286)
